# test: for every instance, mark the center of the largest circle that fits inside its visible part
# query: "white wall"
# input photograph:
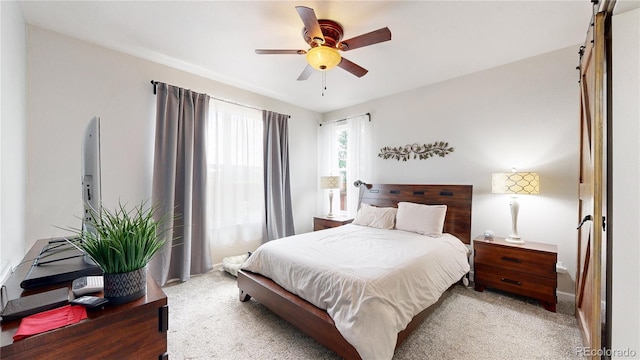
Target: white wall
(13, 115)
(523, 114)
(626, 182)
(70, 81)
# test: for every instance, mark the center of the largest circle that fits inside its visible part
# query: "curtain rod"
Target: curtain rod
(345, 119)
(155, 87)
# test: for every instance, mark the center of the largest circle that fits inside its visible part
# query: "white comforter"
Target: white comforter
(372, 282)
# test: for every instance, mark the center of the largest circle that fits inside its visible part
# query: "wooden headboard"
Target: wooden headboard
(456, 197)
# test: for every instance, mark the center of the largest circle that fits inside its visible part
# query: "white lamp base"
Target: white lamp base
(330, 214)
(514, 240)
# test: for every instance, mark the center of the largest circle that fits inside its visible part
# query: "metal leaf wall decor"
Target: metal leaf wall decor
(417, 151)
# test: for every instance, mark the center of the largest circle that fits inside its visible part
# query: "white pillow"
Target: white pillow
(420, 218)
(377, 217)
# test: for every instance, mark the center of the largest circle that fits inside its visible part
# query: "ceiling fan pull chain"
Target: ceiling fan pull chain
(324, 81)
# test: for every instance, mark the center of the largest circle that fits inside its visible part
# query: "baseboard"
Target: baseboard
(565, 296)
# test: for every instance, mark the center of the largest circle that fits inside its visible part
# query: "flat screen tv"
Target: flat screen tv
(91, 181)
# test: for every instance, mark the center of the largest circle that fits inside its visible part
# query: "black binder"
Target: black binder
(58, 262)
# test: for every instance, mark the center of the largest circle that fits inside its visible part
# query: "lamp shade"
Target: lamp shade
(515, 183)
(329, 182)
(323, 57)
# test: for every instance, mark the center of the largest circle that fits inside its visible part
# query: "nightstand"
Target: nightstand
(527, 269)
(323, 222)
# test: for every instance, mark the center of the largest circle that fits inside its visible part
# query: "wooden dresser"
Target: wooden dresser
(527, 269)
(135, 330)
(323, 222)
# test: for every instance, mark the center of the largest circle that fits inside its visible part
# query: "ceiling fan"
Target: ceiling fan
(324, 38)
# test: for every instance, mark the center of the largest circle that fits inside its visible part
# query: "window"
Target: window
(235, 191)
(344, 149)
(342, 137)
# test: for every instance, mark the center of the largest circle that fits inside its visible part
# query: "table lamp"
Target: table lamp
(515, 183)
(330, 183)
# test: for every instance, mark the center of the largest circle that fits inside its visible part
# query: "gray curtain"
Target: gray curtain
(277, 189)
(179, 180)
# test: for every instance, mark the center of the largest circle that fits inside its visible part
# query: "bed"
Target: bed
(368, 304)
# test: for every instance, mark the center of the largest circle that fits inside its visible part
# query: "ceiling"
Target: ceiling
(431, 41)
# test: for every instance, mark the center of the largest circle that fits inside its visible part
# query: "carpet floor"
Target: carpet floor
(207, 321)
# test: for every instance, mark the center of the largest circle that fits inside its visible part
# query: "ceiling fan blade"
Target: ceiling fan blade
(310, 22)
(306, 73)
(353, 68)
(277, 52)
(374, 37)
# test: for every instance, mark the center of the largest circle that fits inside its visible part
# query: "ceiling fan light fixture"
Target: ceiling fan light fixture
(323, 57)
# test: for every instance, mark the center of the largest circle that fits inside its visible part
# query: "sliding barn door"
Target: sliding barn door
(589, 280)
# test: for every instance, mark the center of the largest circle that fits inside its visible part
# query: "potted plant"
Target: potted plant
(121, 244)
